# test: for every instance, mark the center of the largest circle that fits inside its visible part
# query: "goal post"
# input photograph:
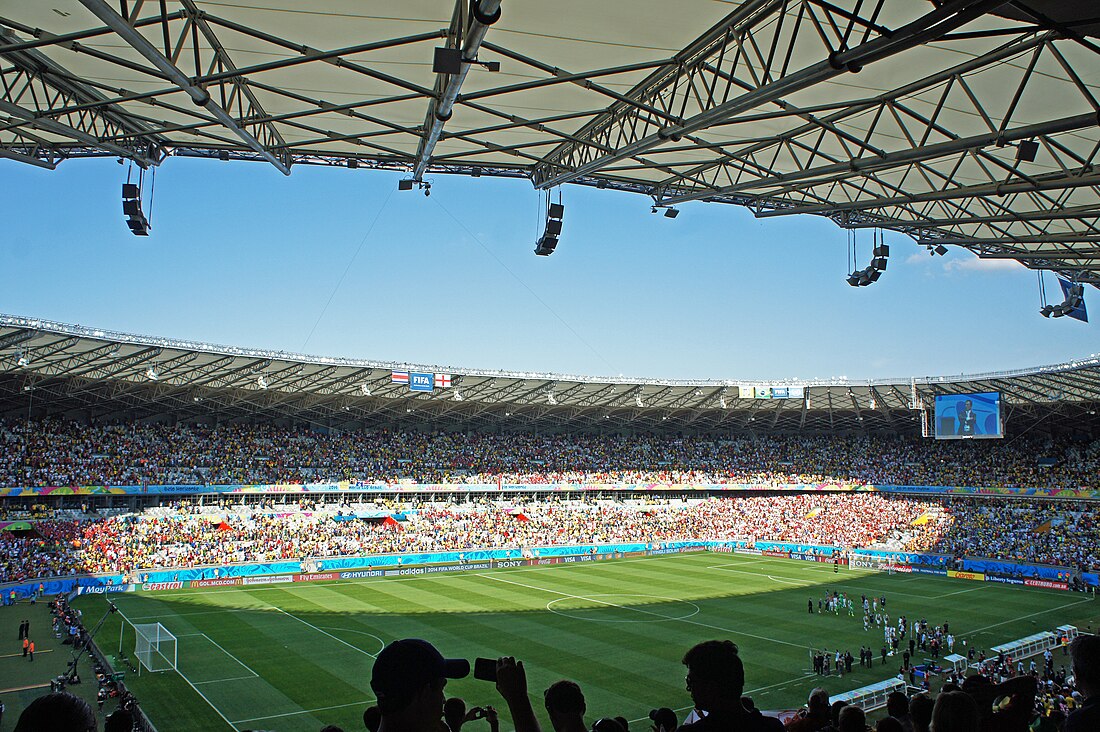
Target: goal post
(154, 646)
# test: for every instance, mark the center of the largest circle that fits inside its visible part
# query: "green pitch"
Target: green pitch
(297, 657)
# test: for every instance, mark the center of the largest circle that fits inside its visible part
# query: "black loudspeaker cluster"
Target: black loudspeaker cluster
(1075, 295)
(874, 270)
(546, 244)
(131, 206)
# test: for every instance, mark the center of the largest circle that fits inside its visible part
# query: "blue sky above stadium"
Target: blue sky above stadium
(338, 262)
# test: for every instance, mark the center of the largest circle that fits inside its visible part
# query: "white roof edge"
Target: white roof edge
(188, 345)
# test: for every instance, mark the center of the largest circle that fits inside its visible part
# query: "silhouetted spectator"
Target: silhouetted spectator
(58, 712)
(664, 720)
(955, 711)
(566, 706)
(920, 711)
(897, 706)
(408, 678)
(816, 714)
(1086, 673)
(454, 713)
(372, 718)
(716, 678)
(852, 719)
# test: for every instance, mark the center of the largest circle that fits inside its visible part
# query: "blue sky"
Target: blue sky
(339, 263)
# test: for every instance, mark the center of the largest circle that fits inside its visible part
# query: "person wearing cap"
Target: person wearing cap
(715, 679)
(408, 679)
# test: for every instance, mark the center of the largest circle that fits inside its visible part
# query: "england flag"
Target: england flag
(442, 381)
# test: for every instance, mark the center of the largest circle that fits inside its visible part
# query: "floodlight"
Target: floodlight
(353, 163)
(223, 155)
(405, 185)
(671, 213)
(940, 249)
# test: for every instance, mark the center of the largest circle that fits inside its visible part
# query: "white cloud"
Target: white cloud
(974, 264)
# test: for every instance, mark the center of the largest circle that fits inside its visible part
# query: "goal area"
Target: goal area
(154, 646)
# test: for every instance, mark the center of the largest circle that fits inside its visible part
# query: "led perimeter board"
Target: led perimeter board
(969, 416)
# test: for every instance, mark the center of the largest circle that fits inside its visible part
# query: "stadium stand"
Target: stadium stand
(66, 453)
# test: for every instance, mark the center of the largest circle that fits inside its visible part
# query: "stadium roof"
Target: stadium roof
(50, 368)
(970, 123)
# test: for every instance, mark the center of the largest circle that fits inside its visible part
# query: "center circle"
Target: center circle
(600, 607)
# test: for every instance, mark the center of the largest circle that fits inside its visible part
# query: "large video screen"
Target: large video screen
(968, 416)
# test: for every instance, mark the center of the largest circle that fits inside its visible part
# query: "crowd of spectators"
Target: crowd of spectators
(1061, 533)
(66, 453)
(183, 535)
(60, 453)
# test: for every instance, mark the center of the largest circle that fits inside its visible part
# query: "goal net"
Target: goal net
(154, 647)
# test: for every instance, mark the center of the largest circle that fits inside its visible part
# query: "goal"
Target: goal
(154, 647)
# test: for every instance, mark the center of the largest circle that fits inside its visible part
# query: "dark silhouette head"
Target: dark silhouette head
(716, 675)
(58, 712)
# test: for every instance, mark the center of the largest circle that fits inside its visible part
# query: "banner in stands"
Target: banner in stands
(965, 575)
(1013, 569)
(930, 570)
(865, 562)
(910, 558)
(344, 486)
(103, 589)
(224, 582)
(1078, 494)
(1004, 580)
(269, 580)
